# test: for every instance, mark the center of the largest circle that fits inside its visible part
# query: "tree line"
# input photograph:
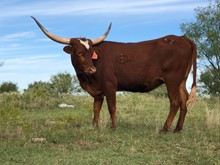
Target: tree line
(61, 83)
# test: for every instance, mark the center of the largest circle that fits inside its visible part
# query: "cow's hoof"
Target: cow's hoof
(95, 125)
(177, 130)
(113, 128)
(164, 130)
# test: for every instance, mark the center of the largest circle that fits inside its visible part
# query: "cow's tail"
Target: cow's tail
(192, 95)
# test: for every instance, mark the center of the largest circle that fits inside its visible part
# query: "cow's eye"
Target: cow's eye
(79, 54)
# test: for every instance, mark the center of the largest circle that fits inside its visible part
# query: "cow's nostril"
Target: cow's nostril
(92, 70)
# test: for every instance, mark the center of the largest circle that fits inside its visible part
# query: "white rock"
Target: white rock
(63, 105)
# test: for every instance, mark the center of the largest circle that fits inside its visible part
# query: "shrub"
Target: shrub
(8, 87)
(61, 83)
(39, 88)
(9, 107)
(161, 91)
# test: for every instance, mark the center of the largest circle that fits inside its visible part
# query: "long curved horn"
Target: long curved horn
(52, 36)
(100, 39)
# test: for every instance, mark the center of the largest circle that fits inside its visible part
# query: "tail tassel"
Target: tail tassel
(192, 97)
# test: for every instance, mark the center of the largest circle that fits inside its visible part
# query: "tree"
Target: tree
(58, 84)
(65, 83)
(205, 32)
(8, 87)
(76, 87)
(62, 83)
(39, 88)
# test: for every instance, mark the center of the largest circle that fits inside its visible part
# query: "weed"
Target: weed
(38, 132)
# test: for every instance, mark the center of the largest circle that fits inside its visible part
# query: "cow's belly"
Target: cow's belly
(141, 76)
(139, 86)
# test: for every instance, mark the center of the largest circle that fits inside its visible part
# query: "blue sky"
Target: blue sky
(29, 56)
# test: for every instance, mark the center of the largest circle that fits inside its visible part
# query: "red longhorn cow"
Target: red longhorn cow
(104, 67)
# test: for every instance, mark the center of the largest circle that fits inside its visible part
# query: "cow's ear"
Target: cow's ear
(68, 49)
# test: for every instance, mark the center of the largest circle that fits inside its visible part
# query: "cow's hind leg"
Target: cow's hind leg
(97, 105)
(174, 97)
(183, 108)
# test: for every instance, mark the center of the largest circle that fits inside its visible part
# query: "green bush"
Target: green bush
(9, 108)
(61, 83)
(160, 91)
(28, 100)
(39, 88)
(8, 87)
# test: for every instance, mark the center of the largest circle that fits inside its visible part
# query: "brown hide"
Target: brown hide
(143, 66)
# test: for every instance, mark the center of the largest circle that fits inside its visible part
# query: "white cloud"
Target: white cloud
(16, 36)
(96, 7)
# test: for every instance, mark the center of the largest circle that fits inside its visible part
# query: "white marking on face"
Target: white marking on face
(85, 43)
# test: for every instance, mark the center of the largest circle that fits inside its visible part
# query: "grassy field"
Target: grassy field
(36, 132)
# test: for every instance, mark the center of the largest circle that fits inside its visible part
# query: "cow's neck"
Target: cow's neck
(88, 83)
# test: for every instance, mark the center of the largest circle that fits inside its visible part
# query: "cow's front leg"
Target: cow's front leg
(111, 102)
(97, 105)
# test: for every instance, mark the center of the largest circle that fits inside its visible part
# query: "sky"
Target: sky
(29, 56)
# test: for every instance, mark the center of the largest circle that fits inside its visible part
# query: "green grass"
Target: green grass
(65, 136)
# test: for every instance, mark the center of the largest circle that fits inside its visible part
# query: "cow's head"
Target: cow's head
(80, 49)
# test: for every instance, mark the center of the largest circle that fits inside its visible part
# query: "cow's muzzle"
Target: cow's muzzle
(90, 70)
